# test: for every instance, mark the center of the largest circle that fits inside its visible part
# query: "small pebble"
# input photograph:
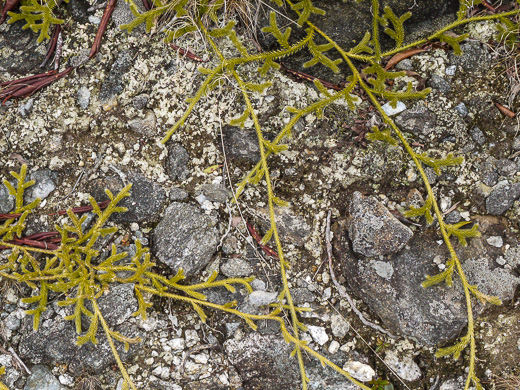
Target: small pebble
(391, 111)
(462, 110)
(94, 20)
(450, 70)
(318, 334)
(360, 371)
(83, 97)
(262, 298)
(495, 241)
(334, 347)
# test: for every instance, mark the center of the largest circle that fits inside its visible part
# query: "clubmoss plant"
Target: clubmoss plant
(75, 267)
(326, 51)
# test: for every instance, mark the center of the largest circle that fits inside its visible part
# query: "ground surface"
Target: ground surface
(101, 126)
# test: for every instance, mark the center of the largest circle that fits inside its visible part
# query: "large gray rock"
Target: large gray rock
(264, 362)
(145, 202)
(433, 315)
(502, 197)
(373, 230)
(42, 379)
(55, 343)
(185, 238)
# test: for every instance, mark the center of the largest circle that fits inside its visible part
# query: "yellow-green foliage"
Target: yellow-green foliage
(38, 16)
(75, 266)
(77, 270)
(326, 51)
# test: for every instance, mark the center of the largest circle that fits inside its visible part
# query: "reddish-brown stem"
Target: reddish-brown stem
(52, 46)
(9, 6)
(36, 85)
(102, 27)
(27, 79)
(83, 209)
(10, 216)
(268, 251)
(300, 76)
(187, 53)
(147, 6)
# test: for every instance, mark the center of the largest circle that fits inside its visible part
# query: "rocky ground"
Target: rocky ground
(100, 128)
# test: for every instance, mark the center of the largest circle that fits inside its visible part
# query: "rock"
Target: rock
(502, 197)
(462, 110)
(6, 200)
(339, 325)
(12, 322)
(360, 371)
(318, 334)
(475, 57)
(55, 343)
(25, 108)
(506, 167)
(176, 164)
(113, 84)
(292, 227)
(262, 298)
(158, 384)
(264, 362)
(45, 183)
(96, 358)
(215, 193)
(334, 347)
(145, 126)
(42, 379)
(403, 366)
(453, 217)
(418, 120)
(373, 230)
(432, 315)
(477, 135)
(495, 241)
(144, 203)
(488, 174)
(438, 83)
(78, 10)
(123, 15)
(516, 143)
(390, 110)
(119, 304)
(185, 238)
(80, 59)
(489, 280)
(453, 384)
(405, 64)
(240, 145)
(83, 97)
(140, 101)
(24, 45)
(236, 267)
(302, 295)
(177, 193)
(426, 16)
